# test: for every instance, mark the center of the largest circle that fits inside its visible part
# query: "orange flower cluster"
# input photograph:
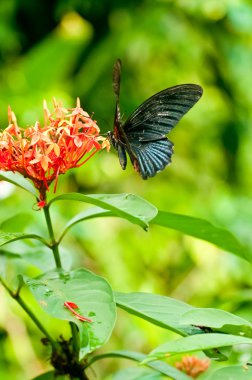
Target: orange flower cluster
(42, 153)
(193, 366)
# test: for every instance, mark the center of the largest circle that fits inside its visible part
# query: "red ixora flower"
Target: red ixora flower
(193, 366)
(67, 140)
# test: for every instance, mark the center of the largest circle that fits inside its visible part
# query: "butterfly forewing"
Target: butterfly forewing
(160, 113)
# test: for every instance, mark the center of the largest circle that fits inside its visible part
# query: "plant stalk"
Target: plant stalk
(76, 339)
(54, 244)
(16, 296)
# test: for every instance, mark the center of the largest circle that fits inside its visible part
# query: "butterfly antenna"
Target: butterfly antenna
(117, 78)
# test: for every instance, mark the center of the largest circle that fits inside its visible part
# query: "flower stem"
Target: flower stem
(54, 244)
(16, 296)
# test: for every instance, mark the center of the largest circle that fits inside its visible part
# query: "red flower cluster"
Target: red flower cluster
(193, 366)
(42, 153)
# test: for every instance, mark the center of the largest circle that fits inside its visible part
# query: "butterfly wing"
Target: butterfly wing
(160, 113)
(148, 158)
(149, 150)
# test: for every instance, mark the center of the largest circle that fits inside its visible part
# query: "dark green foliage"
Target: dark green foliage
(65, 49)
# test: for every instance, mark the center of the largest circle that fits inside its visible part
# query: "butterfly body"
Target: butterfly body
(143, 135)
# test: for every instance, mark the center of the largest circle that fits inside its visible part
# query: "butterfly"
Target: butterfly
(143, 135)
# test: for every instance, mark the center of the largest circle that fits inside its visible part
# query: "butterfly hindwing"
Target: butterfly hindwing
(121, 151)
(151, 157)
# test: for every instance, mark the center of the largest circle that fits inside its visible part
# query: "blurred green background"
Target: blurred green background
(66, 49)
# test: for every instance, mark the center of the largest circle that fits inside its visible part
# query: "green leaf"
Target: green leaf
(234, 372)
(9, 255)
(181, 317)
(41, 258)
(6, 238)
(93, 212)
(218, 319)
(137, 373)
(51, 375)
(159, 310)
(197, 342)
(90, 292)
(54, 44)
(157, 365)
(128, 206)
(17, 222)
(203, 230)
(18, 180)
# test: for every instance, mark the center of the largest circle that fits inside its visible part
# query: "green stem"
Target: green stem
(76, 339)
(75, 334)
(21, 302)
(54, 244)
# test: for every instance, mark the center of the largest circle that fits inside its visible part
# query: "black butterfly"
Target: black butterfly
(143, 135)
